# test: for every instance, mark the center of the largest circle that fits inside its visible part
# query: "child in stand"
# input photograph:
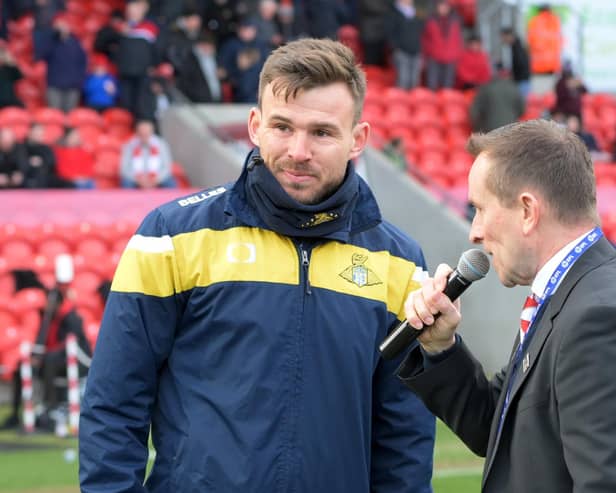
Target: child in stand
(100, 88)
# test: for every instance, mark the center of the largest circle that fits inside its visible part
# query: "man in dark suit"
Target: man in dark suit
(547, 421)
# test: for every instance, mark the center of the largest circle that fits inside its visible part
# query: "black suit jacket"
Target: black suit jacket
(559, 430)
(192, 82)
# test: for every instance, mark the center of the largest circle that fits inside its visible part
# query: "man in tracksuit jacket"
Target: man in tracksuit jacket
(243, 322)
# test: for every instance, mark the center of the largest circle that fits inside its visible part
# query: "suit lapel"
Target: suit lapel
(595, 256)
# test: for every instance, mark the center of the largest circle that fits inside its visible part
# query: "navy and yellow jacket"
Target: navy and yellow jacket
(254, 357)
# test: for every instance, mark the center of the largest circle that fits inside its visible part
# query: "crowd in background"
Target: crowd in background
(151, 54)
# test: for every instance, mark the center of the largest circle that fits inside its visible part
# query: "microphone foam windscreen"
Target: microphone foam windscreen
(473, 264)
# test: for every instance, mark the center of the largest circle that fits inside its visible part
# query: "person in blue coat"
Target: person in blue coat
(243, 322)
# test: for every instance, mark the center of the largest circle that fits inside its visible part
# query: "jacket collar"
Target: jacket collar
(365, 215)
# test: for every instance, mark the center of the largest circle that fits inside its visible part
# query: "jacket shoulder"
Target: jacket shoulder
(203, 209)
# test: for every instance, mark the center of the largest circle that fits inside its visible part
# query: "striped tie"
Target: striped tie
(530, 306)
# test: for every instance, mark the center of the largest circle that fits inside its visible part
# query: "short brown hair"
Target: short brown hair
(308, 63)
(546, 157)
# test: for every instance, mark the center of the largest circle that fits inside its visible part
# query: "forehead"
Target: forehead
(477, 178)
(332, 102)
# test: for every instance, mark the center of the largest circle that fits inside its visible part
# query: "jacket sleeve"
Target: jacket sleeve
(402, 436)
(135, 339)
(585, 388)
(457, 391)
(402, 429)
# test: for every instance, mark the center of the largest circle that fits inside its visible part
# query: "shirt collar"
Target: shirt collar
(543, 276)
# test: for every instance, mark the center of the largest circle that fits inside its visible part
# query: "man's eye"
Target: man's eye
(321, 133)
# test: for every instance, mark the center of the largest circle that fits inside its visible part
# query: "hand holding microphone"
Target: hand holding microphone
(427, 304)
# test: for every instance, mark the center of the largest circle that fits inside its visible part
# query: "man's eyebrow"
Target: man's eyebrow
(314, 125)
(279, 118)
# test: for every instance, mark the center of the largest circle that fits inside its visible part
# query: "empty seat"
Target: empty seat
(86, 282)
(84, 116)
(13, 115)
(49, 116)
(16, 251)
(117, 116)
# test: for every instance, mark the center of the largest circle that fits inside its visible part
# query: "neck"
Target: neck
(555, 237)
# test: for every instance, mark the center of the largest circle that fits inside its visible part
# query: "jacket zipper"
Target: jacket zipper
(305, 260)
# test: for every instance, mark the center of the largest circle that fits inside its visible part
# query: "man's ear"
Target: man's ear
(361, 132)
(254, 122)
(530, 210)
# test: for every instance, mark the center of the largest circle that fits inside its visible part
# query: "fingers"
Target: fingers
(422, 305)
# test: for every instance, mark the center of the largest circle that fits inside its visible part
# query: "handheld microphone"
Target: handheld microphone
(472, 266)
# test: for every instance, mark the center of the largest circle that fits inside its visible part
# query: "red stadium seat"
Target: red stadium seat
(50, 248)
(84, 116)
(7, 285)
(17, 251)
(451, 96)
(92, 248)
(396, 96)
(117, 116)
(180, 175)
(52, 133)
(90, 135)
(86, 282)
(107, 142)
(431, 139)
(455, 114)
(421, 95)
(13, 115)
(49, 116)
(28, 299)
(107, 164)
(427, 115)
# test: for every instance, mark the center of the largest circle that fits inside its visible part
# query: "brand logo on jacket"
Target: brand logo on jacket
(241, 253)
(320, 218)
(360, 274)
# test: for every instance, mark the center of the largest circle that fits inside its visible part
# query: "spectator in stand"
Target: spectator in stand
(178, 40)
(545, 41)
(324, 17)
(9, 74)
(575, 125)
(146, 160)
(75, 163)
(107, 40)
(519, 63)
(100, 89)
(66, 64)
(45, 12)
(496, 103)
(199, 77)
(136, 57)
(373, 30)
(404, 30)
(442, 46)
(268, 30)
(13, 160)
(474, 65)
(290, 22)
(569, 90)
(242, 58)
(40, 171)
(59, 319)
(221, 18)
(161, 98)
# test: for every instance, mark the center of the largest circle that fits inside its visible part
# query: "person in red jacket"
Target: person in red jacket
(474, 65)
(75, 163)
(442, 45)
